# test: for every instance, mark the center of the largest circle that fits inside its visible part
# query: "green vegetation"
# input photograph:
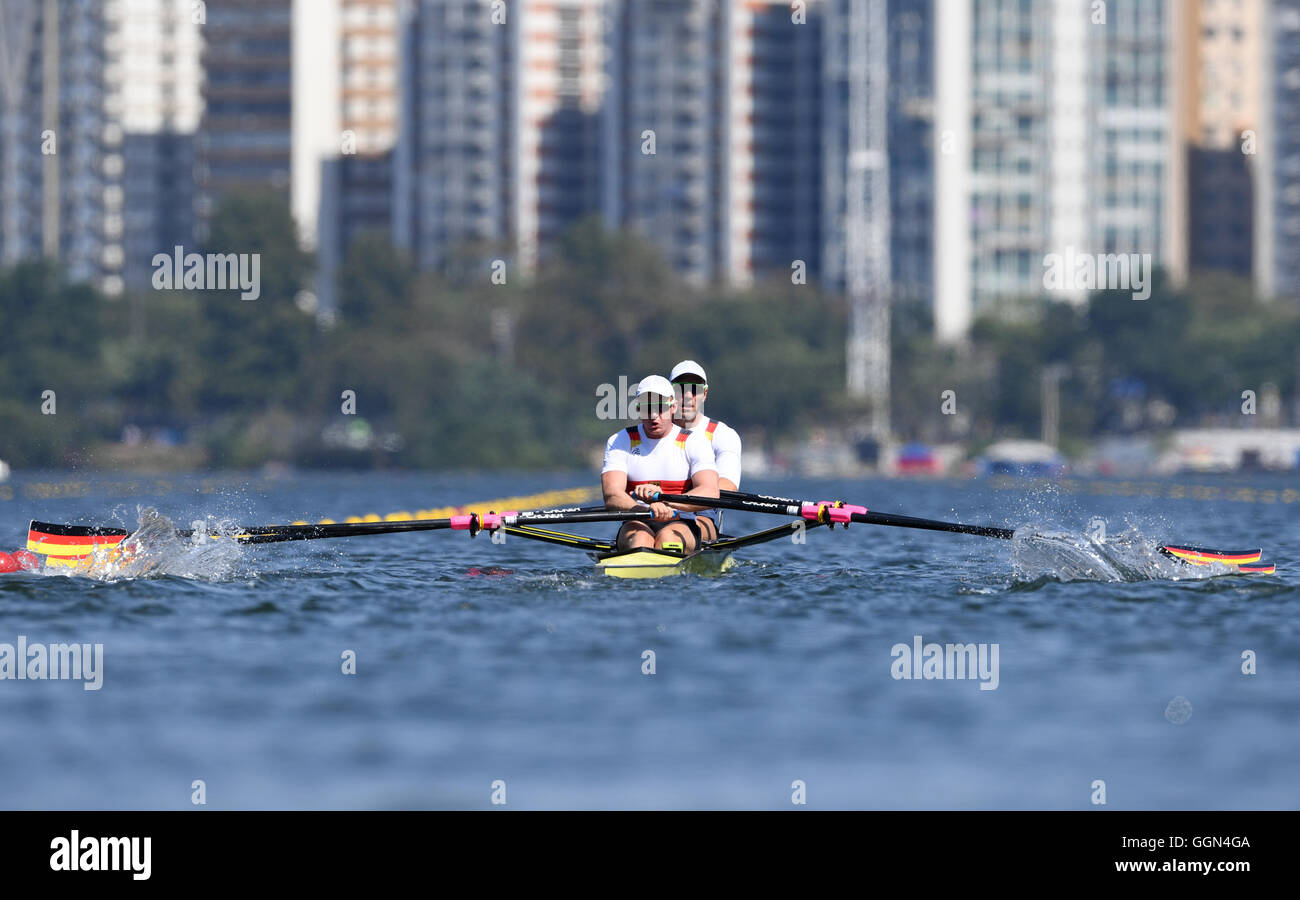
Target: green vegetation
(451, 369)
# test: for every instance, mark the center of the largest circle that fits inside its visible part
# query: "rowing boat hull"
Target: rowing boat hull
(662, 563)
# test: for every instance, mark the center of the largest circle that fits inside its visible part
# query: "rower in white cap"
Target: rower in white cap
(691, 388)
(657, 456)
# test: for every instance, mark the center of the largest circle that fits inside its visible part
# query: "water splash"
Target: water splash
(1126, 557)
(154, 548)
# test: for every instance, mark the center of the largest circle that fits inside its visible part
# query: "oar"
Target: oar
(830, 513)
(84, 537)
(838, 512)
(471, 522)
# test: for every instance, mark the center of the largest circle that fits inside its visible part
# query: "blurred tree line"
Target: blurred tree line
(453, 369)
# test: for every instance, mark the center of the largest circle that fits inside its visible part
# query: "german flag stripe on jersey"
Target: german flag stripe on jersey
(666, 486)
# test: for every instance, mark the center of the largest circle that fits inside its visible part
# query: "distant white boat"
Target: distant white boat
(1030, 458)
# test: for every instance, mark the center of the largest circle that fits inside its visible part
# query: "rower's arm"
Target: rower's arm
(704, 483)
(613, 475)
(614, 486)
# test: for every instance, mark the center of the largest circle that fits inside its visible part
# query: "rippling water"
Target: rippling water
(1109, 669)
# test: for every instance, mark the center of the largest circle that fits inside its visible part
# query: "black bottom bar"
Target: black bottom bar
(934, 851)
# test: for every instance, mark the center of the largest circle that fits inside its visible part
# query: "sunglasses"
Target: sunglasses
(655, 409)
(690, 388)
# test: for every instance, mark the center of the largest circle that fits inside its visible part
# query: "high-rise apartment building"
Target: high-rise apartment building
(152, 77)
(911, 148)
(713, 131)
(56, 174)
(346, 113)
(455, 161)
(245, 135)
(666, 132)
(1057, 132)
(1221, 128)
(1277, 222)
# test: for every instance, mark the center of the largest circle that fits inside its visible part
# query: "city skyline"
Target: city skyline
(1001, 133)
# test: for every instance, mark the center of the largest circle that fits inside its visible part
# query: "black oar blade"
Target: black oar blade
(54, 530)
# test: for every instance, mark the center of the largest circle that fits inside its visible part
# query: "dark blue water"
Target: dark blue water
(779, 671)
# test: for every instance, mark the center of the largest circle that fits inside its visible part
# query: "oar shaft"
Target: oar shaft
(808, 509)
(766, 505)
(472, 522)
(873, 518)
(273, 534)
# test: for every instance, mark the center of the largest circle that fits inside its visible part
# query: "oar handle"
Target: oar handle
(827, 512)
(833, 512)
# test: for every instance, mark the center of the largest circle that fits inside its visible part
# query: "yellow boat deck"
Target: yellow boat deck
(662, 563)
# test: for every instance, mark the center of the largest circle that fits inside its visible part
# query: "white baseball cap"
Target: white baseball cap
(688, 367)
(655, 384)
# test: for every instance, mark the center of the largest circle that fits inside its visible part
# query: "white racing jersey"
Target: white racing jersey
(726, 446)
(670, 461)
